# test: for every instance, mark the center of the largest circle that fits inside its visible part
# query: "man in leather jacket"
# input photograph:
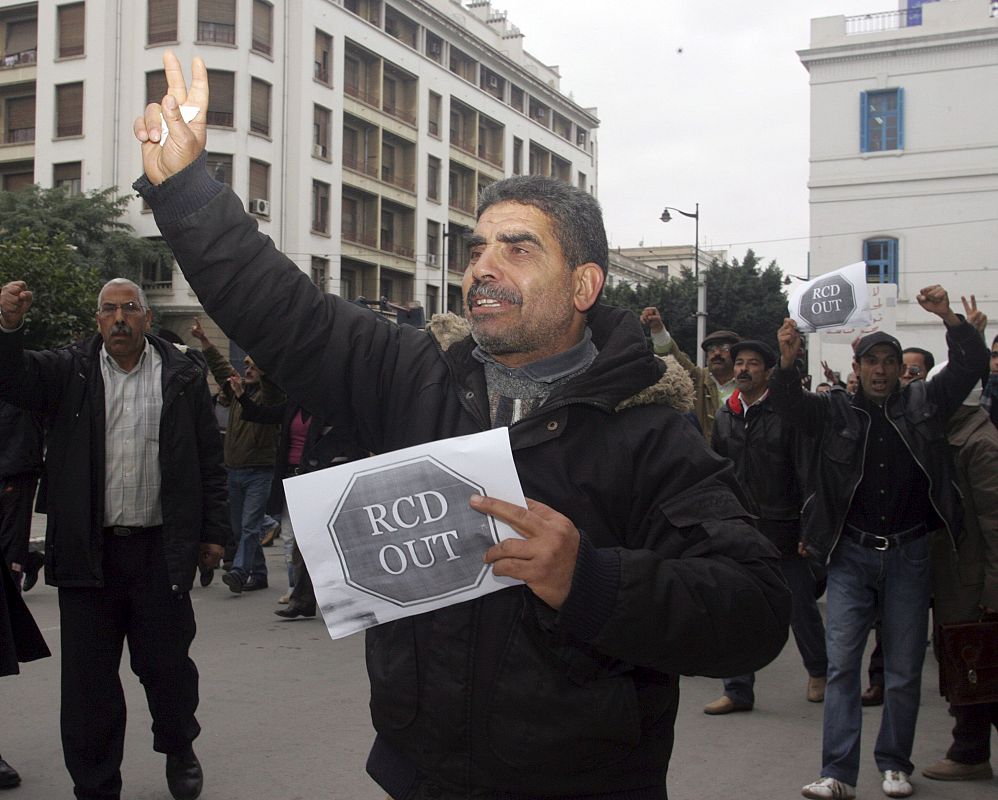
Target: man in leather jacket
(883, 483)
(637, 560)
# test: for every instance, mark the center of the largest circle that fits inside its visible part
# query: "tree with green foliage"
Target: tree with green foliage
(65, 289)
(741, 297)
(66, 247)
(91, 222)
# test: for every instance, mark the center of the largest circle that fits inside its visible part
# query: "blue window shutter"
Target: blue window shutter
(892, 262)
(863, 132)
(900, 119)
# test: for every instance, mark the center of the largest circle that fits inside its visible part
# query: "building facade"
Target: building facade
(358, 132)
(904, 158)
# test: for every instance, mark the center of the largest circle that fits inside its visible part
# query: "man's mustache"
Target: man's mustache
(493, 291)
(121, 327)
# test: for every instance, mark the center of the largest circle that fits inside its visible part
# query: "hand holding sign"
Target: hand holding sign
(545, 558)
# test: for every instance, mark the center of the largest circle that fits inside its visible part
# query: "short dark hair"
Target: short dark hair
(930, 362)
(574, 213)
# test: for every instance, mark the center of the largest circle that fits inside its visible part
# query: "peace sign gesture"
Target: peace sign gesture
(974, 316)
(186, 140)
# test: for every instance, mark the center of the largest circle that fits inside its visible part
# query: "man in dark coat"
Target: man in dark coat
(134, 459)
(637, 562)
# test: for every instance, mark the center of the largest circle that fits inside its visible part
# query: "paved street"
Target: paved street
(284, 713)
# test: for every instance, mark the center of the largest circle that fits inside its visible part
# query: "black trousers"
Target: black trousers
(972, 733)
(17, 493)
(136, 602)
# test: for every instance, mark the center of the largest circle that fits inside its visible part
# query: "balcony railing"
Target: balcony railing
(217, 32)
(884, 21)
(361, 93)
(398, 179)
(491, 156)
(467, 206)
(222, 119)
(467, 145)
(20, 135)
(398, 249)
(398, 112)
(359, 164)
(20, 59)
(69, 129)
(260, 46)
(366, 238)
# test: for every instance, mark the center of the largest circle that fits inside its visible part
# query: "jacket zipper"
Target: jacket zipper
(855, 486)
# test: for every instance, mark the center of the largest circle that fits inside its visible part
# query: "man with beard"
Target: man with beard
(133, 469)
(883, 484)
(714, 383)
(637, 560)
(771, 461)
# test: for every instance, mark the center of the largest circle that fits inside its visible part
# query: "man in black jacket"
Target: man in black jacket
(134, 471)
(565, 686)
(883, 483)
(771, 461)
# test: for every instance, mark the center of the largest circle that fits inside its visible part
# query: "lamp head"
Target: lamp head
(666, 216)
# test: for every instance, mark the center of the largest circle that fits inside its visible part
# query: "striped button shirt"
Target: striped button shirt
(133, 403)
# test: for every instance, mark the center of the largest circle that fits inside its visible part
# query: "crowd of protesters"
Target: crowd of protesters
(668, 530)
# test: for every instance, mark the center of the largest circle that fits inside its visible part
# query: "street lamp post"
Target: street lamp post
(701, 283)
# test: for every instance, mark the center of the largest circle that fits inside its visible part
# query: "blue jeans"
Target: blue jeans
(249, 488)
(805, 622)
(899, 580)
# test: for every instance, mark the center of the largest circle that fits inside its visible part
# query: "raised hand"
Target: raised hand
(935, 300)
(975, 316)
(788, 338)
(15, 300)
(186, 140)
(198, 332)
(652, 319)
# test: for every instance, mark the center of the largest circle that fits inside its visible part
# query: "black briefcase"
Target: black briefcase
(968, 662)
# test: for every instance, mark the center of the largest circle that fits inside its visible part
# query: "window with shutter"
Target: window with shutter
(69, 110)
(71, 30)
(162, 21)
(259, 184)
(260, 107)
(323, 54)
(22, 41)
(321, 132)
(15, 181)
(156, 86)
(263, 27)
(67, 176)
(217, 21)
(20, 120)
(219, 166)
(221, 99)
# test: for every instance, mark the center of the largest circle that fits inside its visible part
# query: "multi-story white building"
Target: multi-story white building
(904, 157)
(358, 132)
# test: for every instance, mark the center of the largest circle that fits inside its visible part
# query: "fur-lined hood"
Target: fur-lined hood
(674, 388)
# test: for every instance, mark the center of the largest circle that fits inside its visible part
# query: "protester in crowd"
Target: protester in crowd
(250, 451)
(712, 384)
(989, 397)
(566, 685)
(134, 458)
(883, 482)
(917, 363)
(965, 581)
(306, 444)
(823, 388)
(832, 377)
(772, 462)
(20, 467)
(852, 384)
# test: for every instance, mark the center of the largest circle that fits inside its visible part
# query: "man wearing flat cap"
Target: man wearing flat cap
(714, 383)
(883, 483)
(771, 460)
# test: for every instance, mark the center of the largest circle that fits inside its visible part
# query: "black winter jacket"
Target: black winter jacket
(771, 460)
(919, 412)
(67, 387)
(502, 696)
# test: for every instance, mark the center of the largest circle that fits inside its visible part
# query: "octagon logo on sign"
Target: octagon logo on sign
(406, 534)
(828, 302)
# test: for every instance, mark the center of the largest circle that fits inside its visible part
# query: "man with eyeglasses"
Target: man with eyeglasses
(712, 384)
(917, 364)
(134, 471)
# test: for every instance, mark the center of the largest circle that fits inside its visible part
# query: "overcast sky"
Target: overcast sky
(723, 123)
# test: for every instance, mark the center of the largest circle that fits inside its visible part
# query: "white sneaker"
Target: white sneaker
(829, 789)
(896, 784)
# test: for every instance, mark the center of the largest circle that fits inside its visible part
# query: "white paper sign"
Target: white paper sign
(837, 299)
(393, 535)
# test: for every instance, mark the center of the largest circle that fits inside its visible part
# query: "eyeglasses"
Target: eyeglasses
(129, 309)
(911, 369)
(720, 348)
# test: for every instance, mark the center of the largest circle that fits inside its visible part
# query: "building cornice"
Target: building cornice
(863, 51)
